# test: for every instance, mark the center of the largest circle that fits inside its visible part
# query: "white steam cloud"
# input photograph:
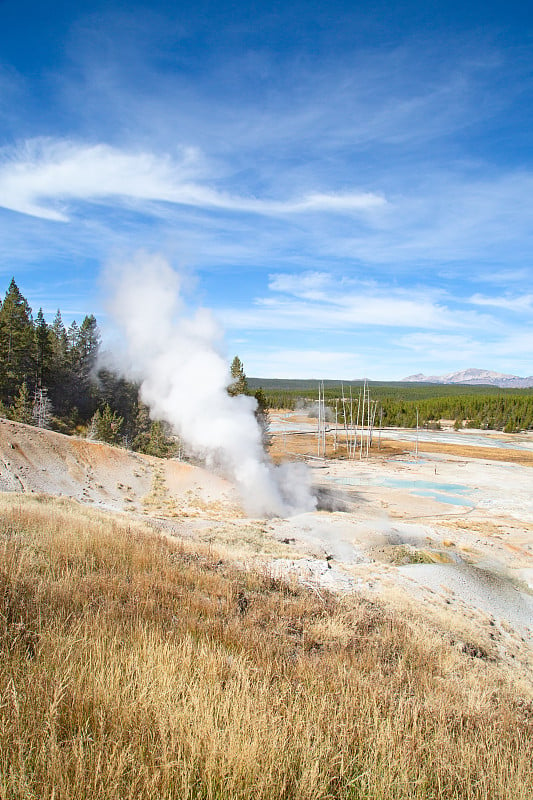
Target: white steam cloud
(183, 378)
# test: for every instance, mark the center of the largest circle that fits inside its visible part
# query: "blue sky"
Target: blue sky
(349, 186)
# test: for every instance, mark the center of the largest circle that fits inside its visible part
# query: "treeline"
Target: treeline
(489, 408)
(380, 390)
(510, 412)
(49, 377)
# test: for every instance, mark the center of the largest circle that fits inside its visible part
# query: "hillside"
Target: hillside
(34, 460)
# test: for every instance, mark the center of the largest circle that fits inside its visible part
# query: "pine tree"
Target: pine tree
(87, 348)
(142, 425)
(59, 367)
(239, 384)
(84, 343)
(59, 338)
(22, 410)
(263, 420)
(160, 443)
(17, 343)
(153, 437)
(72, 337)
(123, 396)
(106, 425)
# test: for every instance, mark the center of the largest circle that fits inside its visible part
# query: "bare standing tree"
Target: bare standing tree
(42, 409)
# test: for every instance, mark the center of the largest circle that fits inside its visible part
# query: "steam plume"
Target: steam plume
(183, 378)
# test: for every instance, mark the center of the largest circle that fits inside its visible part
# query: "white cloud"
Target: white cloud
(431, 328)
(341, 202)
(448, 341)
(516, 345)
(348, 306)
(307, 284)
(368, 302)
(448, 216)
(374, 161)
(41, 177)
(519, 303)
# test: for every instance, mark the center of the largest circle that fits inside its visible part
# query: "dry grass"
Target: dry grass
(401, 554)
(245, 539)
(134, 667)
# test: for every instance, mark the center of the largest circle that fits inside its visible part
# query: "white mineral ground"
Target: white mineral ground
(444, 533)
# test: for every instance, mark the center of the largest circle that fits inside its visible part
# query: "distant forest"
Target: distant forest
(49, 376)
(485, 407)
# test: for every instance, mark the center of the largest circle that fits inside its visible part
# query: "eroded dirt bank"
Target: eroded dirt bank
(35, 460)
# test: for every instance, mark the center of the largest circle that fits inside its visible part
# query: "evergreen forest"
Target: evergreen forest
(50, 377)
(482, 407)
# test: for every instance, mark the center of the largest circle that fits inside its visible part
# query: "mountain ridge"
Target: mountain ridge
(475, 377)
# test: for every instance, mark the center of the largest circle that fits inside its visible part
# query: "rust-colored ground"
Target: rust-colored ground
(304, 445)
(523, 457)
(33, 460)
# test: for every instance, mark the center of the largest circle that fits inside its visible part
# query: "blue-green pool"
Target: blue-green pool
(451, 493)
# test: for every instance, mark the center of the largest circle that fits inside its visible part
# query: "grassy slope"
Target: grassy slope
(135, 667)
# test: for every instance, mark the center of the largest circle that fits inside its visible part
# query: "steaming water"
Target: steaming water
(174, 354)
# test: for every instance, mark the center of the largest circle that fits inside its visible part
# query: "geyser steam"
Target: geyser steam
(183, 378)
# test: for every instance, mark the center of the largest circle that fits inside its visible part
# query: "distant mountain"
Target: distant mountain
(475, 377)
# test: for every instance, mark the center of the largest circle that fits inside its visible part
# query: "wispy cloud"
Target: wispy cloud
(437, 348)
(317, 302)
(310, 285)
(244, 98)
(392, 330)
(44, 175)
(522, 304)
(451, 217)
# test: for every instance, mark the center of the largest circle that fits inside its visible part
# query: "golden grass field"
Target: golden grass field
(137, 666)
